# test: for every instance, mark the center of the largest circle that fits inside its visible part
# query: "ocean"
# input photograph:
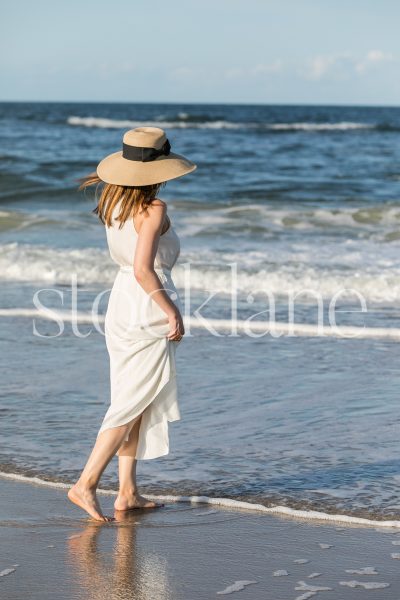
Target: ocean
(292, 218)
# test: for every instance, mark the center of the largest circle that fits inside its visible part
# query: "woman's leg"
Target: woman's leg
(128, 495)
(83, 493)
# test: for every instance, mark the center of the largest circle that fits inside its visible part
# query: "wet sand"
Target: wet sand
(50, 549)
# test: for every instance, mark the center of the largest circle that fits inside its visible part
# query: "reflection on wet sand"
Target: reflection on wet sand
(125, 572)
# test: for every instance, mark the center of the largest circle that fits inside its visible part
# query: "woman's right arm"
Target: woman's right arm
(143, 267)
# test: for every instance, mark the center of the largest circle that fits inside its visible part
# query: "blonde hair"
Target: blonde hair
(133, 199)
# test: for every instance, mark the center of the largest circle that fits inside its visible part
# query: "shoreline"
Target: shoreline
(49, 547)
(312, 516)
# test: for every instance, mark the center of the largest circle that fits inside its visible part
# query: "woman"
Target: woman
(143, 322)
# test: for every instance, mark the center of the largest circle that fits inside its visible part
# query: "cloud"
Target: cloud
(184, 74)
(263, 69)
(258, 70)
(323, 65)
(320, 65)
(342, 66)
(339, 67)
(234, 73)
(372, 59)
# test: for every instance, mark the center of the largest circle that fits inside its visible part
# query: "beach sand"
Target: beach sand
(49, 549)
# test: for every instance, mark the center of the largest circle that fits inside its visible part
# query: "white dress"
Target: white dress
(142, 359)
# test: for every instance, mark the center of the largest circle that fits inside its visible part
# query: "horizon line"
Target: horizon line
(193, 103)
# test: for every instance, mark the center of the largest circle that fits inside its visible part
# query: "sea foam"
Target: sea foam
(363, 571)
(309, 515)
(366, 585)
(183, 122)
(221, 325)
(104, 123)
(236, 587)
(255, 272)
(6, 572)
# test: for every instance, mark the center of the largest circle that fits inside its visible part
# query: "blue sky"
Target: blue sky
(250, 51)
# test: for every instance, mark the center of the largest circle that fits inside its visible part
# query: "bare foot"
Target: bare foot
(86, 499)
(132, 501)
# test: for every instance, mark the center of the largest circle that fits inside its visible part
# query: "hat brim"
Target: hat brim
(117, 170)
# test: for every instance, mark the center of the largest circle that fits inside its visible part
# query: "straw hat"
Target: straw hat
(145, 159)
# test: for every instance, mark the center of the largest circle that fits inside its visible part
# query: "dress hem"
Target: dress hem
(164, 419)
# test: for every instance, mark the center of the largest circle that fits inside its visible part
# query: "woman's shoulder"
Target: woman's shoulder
(158, 202)
(156, 212)
(157, 209)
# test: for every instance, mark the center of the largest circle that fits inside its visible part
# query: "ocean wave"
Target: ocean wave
(19, 220)
(306, 126)
(187, 122)
(274, 328)
(255, 272)
(381, 219)
(230, 503)
(31, 263)
(104, 123)
(246, 218)
(10, 220)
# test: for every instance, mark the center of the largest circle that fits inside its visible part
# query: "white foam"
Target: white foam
(309, 515)
(306, 126)
(305, 596)
(220, 325)
(301, 561)
(184, 123)
(314, 575)
(236, 587)
(51, 315)
(365, 218)
(325, 546)
(26, 262)
(395, 555)
(306, 587)
(283, 274)
(104, 123)
(6, 572)
(280, 573)
(367, 585)
(363, 571)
